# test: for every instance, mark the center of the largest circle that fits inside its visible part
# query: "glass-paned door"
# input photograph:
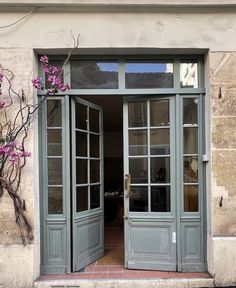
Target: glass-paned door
(150, 211)
(164, 199)
(87, 182)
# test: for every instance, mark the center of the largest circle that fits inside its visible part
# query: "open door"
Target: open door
(87, 183)
(149, 200)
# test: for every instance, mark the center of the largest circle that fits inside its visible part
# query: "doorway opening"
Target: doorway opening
(113, 178)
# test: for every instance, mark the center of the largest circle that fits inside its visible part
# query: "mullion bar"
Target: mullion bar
(88, 154)
(148, 151)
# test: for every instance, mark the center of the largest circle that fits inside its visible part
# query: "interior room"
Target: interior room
(113, 177)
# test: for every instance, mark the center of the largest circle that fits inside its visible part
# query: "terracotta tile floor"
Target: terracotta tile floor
(111, 265)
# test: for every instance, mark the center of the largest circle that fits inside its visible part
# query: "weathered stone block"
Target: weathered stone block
(224, 132)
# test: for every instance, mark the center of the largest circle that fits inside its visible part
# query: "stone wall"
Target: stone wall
(17, 263)
(223, 163)
(132, 33)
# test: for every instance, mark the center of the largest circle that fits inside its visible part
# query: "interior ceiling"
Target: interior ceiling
(112, 111)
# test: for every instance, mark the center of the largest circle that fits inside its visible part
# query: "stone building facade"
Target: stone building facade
(204, 29)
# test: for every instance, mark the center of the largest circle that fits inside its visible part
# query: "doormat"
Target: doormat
(113, 256)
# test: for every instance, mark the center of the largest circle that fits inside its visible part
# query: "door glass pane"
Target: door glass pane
(138, 201)
(137, 114)
(94, 196)
(190, 140)
(160, 199)
(54, 113)
(160, 170)
(81, 171)
(54, 142)
(190, 110)
(189, 74)
(159, 113)
(94, 146)
(81, 144)
(149, 75)
(81, 117)
(81, 199)
(54, 171)
(160, 142)
(93, 120)
(94, 171)
(190, 198)
(190, 169)
(55, 200)
(94, 75)
(138, 142)
(138, 169)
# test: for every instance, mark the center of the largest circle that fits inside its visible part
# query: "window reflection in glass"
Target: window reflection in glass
(190, 111)
(54, 113)
(94, 75)
(160, 199)
(94, 145)
(159, 113)
(159, 142)
(190, 169)
(81, 171)
(190, 140)
(148, 75)
(190, 198)
(55, 171)
(81, 198)
(55, 200)
(54, 138)
(137, 114)
(138, 169)
(94, 171)
(189, 74)
(160, 170)
(81, 117)
(81, 144)
(93, 120)
(138, 201)
(138, 142)
(94, 196)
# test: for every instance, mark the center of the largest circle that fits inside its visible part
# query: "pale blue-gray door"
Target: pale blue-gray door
(163, 171)
(87, 183)
(150, 221)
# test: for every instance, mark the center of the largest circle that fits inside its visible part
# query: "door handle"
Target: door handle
(127, 185)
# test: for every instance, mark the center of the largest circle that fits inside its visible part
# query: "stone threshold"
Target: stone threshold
(126, 283)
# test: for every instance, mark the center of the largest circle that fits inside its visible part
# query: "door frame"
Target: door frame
(59, 225)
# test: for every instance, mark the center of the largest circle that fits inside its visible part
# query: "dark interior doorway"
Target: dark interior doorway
(113, 176)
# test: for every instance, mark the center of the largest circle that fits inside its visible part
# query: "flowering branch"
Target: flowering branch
(16, 115)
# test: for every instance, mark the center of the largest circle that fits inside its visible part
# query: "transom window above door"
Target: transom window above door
(149, 74)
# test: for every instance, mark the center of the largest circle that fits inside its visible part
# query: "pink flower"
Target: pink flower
(44, 59)
(65, 87)
(55, 70)
(25, 154)
(53, 76)
(37, 82)
(45, 69)
(1, 77)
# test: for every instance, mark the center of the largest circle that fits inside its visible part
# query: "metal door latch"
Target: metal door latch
(173, 237)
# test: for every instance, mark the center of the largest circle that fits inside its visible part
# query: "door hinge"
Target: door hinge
(173, 237)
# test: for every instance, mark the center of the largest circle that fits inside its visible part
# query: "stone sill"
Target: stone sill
(120, 5)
